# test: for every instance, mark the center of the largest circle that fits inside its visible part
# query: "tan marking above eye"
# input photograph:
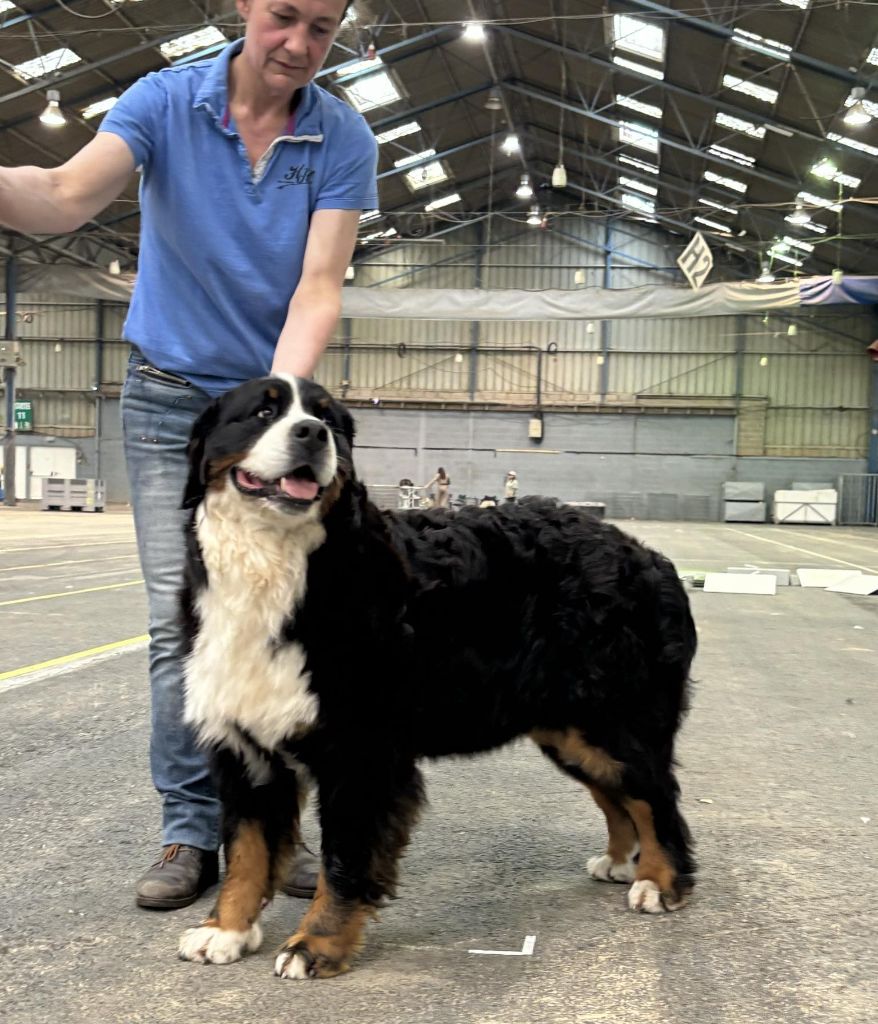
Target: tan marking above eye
(273, 393)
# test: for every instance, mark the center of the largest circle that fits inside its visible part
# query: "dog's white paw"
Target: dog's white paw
(605, 869)
(646, 897)
(292, 965)
(211, 945)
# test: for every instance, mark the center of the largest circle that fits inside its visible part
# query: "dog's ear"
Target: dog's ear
(197, 480)
(347, 424)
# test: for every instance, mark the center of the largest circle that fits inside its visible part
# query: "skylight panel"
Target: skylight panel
(777, 254)
(797, 243)
(641, 165)
(438, 204)
(639, 186)
(639, 135)
(400, 132)
(360, 67)
(759, 92)
(635, 202)
(740, 124)
(724, 153)
(873, 55)
(192, 41)
(645, 38)
(376, 235)
(718, 206)
(48, 63)
(713, 225)
(649, 109)
(801, 4)
(6, 5)
(843, 140)
(423, 177)
(414, 157)
(369, 215)
(641, 69)
(870, 107)
(819, 201)
(371, 91)
(98, 107)
(730, 183)
(770, 47)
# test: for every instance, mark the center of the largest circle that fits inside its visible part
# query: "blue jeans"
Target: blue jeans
(156, 422)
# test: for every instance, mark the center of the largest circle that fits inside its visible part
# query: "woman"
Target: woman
(442, 482)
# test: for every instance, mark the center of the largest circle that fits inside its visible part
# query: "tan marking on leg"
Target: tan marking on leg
(622, 835)
(574, 751)
(654, 863)
(247, 882)
(331, 932)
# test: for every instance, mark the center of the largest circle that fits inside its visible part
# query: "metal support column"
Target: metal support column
(346, 357)
(606, 325)
(99, 386)
(475, 330)
(872, 463)
(9, 384)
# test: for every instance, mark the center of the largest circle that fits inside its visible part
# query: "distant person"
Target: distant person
(442, 481)
(510, 487)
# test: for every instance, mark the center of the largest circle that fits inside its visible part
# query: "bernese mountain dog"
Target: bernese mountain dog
(306, 608)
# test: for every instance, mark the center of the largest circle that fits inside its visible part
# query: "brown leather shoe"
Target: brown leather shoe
(178, 878)
(302, 875)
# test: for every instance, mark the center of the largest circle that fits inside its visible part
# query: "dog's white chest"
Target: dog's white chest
(239, 675)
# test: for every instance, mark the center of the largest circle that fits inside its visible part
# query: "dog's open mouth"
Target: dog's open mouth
(297, 488)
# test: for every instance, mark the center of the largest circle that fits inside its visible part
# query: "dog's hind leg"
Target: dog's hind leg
(366, 815)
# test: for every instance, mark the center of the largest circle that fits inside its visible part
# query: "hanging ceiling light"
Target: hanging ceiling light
(493, 102)
(800, 215)
(857, 115)
(559, 176)
(524, 190)
(766, 277)
(511, 145)
(473, 32)
(534, 218)
(53, 115)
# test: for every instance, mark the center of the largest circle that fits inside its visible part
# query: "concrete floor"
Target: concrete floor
(778, 779)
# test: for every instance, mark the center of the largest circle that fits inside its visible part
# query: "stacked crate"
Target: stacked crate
(744, 501)
(72, 495)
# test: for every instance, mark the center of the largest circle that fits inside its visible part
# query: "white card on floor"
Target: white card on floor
(824, 578)
(861, 584)
(738, 583)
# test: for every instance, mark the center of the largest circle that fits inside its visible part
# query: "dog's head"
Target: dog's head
(280, 442)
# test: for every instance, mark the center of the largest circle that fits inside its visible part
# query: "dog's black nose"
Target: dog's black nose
(310, 432)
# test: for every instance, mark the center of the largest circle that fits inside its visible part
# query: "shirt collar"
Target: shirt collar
(213, 96)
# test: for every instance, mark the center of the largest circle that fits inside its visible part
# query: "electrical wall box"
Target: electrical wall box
(535, 429)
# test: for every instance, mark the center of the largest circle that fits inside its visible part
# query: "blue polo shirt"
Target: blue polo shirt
(222, 243)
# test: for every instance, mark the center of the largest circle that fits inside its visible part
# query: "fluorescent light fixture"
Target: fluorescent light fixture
(730, 183)
(638, 203)
(819, 201)
(400, 132)
(422, 177)
(649, 109)
(511, 144)
(369, 215)
(639, 186)
(740, 124)
(641, 69)
(640, 165)
(797, 243)
(473, 32)
(718, 206)
(204, 37)
(843, 140)
(414, 157)
(645, 38)
(723, 229)
(53, 115)
(372, 91)
(98, 107)
(759, 92)
(770, 47)
(438, 204)
(736, 156)
(47, 64)
(639, 135)
(783, 257)
(360, 67)
(525, 189)
(534, 218)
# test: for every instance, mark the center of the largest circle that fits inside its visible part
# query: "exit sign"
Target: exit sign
(24, 415)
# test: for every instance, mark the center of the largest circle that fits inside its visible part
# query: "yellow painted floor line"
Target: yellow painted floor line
(66, 659)
(70, 593)
(804, 551)
(71, 544)
(69, 561)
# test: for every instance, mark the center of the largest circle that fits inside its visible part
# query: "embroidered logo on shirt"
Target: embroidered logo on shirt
(298, 174)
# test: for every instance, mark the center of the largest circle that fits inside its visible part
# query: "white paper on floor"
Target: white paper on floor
(737, 583)
(861, 584)
(824, 578)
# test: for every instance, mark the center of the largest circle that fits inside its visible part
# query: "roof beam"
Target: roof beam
(414, 164)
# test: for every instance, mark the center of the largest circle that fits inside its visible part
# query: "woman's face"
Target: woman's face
(287, 40)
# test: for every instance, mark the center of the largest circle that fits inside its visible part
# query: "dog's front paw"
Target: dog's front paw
(211, 945)
(302, 957)
(605, 869)
(646, 897)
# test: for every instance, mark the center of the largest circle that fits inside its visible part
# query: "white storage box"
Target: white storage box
(815, 507)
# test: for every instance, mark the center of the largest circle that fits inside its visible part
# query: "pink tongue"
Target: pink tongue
(305, 490)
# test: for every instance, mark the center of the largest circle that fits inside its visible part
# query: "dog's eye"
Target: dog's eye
(266, 413)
